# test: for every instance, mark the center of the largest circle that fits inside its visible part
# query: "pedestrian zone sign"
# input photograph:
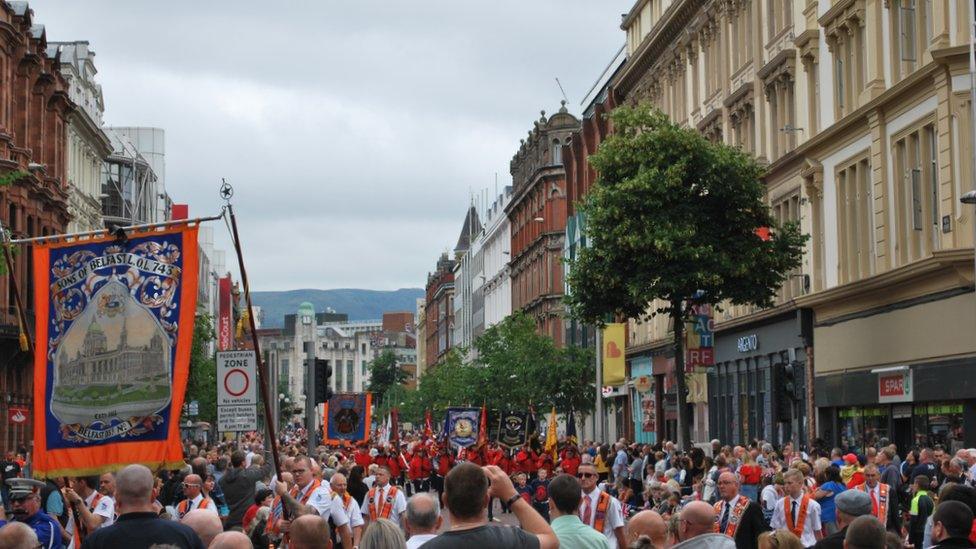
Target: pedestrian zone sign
(237, 398)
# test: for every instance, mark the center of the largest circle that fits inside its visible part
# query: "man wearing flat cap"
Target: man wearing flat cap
(850, 504)
(25, 507)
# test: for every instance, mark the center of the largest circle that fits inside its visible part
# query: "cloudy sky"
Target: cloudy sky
(353, 132)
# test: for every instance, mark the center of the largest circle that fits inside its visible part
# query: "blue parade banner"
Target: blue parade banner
(461, 426)
(347, 418)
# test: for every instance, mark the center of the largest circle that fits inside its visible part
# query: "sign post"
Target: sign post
(237, 401)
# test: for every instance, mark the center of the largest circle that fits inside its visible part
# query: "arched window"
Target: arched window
(557, 152)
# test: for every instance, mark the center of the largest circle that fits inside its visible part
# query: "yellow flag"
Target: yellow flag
(613, 354)
(551, 442)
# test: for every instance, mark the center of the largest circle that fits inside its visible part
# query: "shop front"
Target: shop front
(903, 371)
(643, 400)
(757, 388)
(912, 406)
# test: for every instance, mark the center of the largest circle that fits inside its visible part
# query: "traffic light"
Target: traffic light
(783, 385)
(323, 380)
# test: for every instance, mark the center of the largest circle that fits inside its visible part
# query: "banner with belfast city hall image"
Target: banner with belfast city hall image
(113, 329)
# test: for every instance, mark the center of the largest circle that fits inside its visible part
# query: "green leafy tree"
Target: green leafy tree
(516, 367)
(202, 384)
(386, 379)
(674, 217)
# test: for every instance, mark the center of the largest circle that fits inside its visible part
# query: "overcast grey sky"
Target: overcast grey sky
(352, 131)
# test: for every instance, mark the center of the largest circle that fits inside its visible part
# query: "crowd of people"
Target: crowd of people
(420, 493)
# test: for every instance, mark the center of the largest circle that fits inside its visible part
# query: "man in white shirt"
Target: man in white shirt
(349, 505)
(193, 492)
(599, 510)
(423, 519)
(93, 509)
(384, 500)
(797, 511)
(309, 490)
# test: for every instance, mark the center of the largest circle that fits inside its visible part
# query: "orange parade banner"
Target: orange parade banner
(113, 333)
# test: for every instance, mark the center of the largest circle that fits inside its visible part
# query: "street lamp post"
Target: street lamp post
(970, 198)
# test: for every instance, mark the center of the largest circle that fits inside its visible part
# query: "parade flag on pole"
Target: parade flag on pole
(395, 428)
(348, 417)
(114, 328)
(551, 439)
(570, 428)
(428, 428)
(462, 426)
(512, 427)
(483, 427)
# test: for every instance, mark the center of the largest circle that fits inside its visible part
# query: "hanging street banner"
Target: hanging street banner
(513, 429)
(113, 332)
(699, 338)
(614, 362)
(237, 395)
(347, 418)
(461, 426)
(224, 335)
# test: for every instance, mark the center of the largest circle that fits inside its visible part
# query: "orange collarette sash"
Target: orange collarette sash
(882, 500)
(735, 516)
(387, 505)
(801, 518)
(308, 493)
(600, 516)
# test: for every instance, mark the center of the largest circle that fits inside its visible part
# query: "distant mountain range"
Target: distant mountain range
(358, 304)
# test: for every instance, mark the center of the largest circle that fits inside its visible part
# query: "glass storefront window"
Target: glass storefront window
(861, 427)
(939, 424)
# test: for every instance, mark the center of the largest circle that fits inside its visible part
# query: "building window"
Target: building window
(912, 24)
(780, 15)
(854, 221)
(787, 210)
(364, 348)
(557, 152)
(349, 376)
(916, 164)
(782, 111)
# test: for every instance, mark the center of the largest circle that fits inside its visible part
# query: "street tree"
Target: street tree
(202, 383)
(675, 218)
(385, 377)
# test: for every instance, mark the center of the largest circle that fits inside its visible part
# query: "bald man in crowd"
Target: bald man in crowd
(310, 532)
(206, 524)
(231, 540)
(650, 524)
(16, 535)
(696, 528)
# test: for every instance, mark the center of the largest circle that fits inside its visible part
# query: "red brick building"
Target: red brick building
(439, 320)
(34, 105)
(537, 215)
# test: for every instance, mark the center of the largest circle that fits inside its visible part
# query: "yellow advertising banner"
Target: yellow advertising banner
(613, 354)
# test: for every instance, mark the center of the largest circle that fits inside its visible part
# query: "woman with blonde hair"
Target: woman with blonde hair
(383, 534)
(779, 539)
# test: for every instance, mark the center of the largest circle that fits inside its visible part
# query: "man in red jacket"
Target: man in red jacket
(419, 469)
(570, 460)
(362, 457)
(525, 461)
(443, 462)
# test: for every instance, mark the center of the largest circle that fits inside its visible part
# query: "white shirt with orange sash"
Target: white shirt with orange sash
(880, 500)
(97, 504)
(199, 502)
(379, 503)
(602, 512)
(731, 513)
(807, 518)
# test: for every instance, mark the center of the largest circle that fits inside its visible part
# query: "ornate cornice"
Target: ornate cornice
(665, 32)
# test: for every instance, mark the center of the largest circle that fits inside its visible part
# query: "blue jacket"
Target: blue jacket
(47, 529)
